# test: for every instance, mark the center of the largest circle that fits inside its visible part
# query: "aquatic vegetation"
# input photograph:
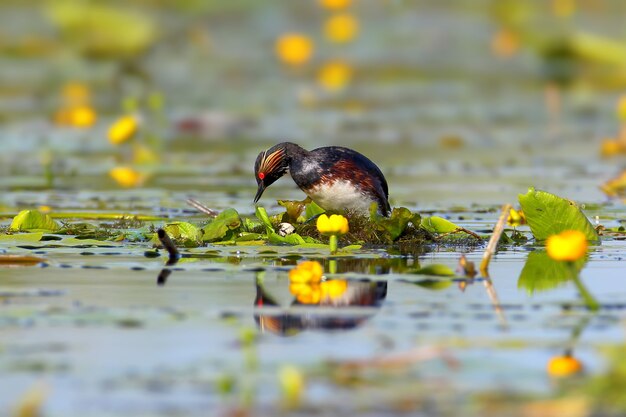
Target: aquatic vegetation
(33, 221)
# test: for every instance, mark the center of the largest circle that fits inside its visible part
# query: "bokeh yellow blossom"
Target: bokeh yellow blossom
(334, 75)
(123, 129)
(126, 177)
(294, 48)
(569, 245)
(563, 366)
(335, 4)
(336, 224)
(341, 28)
(306, 272)
(516, 218)
(612, 147)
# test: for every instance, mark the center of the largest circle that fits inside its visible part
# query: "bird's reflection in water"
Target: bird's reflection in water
(335, 300)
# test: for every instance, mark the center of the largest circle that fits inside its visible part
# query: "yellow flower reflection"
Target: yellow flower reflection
(336, 224)
(341, 28)
(294, 48)
(564, 366)
(335, 4)
(306, 272)
(333, 289)
(306, 293)
(126, 177)
(334, 75)
(123, 129)
(569, 245)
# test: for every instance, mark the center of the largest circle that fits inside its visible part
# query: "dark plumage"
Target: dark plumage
(336, 178)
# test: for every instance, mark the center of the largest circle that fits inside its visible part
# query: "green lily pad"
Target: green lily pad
(434, 284)
(222, 227)
(33, 221)
(439, 225)
(22, 237)
(548, 214)
(185, 233)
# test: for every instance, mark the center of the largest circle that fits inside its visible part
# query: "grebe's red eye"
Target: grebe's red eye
(261, 175)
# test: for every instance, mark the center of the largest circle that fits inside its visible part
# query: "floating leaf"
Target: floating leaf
(436, 224)
(19, 260)
(22, 237)
(541, 273)
(222, 227)
(436, 270)
(185, 233)
(33, 220)
(548, 214)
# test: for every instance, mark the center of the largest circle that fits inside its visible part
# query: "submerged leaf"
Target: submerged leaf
(548, 214)
(33, 220)
(222, 227)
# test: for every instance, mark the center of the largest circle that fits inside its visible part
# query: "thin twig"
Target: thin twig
(201, 207)
(495, 238)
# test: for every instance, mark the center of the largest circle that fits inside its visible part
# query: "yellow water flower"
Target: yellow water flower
(123, 129)
(336, 224)
(563, 366)
(294, 48)
(516, 218)
(341, 28)
(335, 4)
(126, 176)
(333, 289)
(306, 272)
(334, 75)
(611, 147)
(569, 245)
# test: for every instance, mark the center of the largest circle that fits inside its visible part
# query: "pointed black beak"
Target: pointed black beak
(259, 192)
